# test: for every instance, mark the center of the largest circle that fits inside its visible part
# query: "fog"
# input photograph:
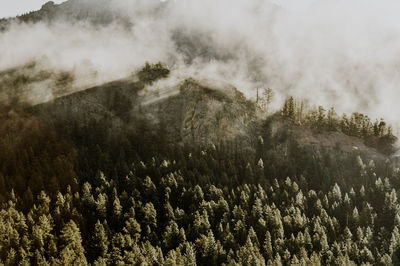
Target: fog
(341, 53)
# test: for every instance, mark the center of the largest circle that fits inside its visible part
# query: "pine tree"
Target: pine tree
(101, 205)
(133, 229)
(249, 254)
(268, 246)
(172, 236)
(99, 241)
(72, 252)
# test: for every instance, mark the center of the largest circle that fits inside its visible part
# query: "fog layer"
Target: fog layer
(342, 53)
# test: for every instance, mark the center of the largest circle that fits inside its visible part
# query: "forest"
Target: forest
(75, 194)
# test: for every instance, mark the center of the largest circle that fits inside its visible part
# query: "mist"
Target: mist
(337, 53)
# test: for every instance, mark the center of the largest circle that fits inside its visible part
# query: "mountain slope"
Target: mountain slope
(196, 114)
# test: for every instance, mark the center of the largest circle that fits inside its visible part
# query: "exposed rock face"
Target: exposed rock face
(204, 115)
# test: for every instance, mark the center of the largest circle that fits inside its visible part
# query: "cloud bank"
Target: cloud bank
(341, 53)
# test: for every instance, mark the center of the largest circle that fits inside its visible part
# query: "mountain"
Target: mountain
(189, 111)
(79, 10)
(99, 12)
(159, 150)
(158, 111)
(164, 168)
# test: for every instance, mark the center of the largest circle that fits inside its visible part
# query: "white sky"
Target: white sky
(11, 8)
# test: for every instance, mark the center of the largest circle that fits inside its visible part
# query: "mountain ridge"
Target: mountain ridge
(190, 113)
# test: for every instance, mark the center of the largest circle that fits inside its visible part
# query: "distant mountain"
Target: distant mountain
(97, 12)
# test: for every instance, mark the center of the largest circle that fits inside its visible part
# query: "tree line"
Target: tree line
(377, 134)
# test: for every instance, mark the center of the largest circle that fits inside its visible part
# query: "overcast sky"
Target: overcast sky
(10, 8)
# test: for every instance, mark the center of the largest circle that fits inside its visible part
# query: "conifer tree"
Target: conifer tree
(72, 252)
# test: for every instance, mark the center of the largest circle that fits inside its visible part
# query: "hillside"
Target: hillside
(174, 165)
(178, 173)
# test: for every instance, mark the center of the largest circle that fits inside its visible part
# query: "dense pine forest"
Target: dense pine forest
(79, 194)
